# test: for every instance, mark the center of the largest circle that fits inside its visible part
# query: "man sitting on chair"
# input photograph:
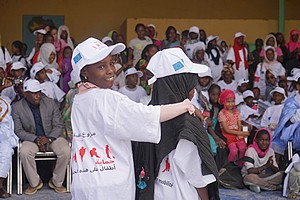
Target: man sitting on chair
(39, 125)
(8, 140)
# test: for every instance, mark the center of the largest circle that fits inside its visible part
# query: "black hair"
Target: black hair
(19, 45)
(212, 87)
(146, 49)
(139, 25)
(47, 35)
(262, 132)
(185, 33)
(169, 30)
(256, 88)
(259, 40)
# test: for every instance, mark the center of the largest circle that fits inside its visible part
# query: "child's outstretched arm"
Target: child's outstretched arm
(171, 111)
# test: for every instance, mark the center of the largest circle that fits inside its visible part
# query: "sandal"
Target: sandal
(4, 194)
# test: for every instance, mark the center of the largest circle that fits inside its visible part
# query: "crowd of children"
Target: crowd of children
(248, 103)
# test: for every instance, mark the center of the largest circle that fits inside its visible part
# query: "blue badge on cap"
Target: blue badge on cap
(77, 58)
(177, 66)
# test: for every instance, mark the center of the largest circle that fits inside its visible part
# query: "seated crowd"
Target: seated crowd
(249, 102)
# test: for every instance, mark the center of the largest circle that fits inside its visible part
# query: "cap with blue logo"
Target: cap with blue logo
(92, 51)
(172, 61)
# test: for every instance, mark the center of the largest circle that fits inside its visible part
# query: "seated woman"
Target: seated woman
(260, 169)
(8, 140)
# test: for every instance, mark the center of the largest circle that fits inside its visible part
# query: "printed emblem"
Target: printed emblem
(177, 66)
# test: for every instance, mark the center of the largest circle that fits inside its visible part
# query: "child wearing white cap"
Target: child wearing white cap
(248, 113)
(132, 89)
(50, 89)
(192, 42)
(271, 116)
(104, 122)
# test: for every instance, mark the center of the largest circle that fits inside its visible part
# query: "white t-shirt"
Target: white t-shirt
(134, 94)
(258, 162)
(190, 47)
(180, 174)
(52, 91)
(242, 73)
(224, 86)
(271, 116)
(246, 111)
(138, 45)
(104, 122)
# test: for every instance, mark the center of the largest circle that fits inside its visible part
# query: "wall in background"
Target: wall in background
(97, 18)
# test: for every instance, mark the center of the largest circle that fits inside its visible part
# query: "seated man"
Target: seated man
(289, 124)
(39, 125)
(8, 140)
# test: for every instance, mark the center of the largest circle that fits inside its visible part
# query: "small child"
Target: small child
(242, 86)
(228, 82)
(248, 110)
(260, 169)
(67, 68)
(271, 116)
(49, 88)
(141, 65)
(132, 89)
(231, 126)
(48, 58)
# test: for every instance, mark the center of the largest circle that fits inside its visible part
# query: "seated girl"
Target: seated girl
(231, 126)
(260, 169)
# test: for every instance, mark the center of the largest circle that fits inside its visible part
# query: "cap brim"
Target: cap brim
(114, 49)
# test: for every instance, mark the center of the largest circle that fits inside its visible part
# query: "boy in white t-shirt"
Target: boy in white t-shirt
(131, 89)
(271, 116)
(49, 88)
(104, 122)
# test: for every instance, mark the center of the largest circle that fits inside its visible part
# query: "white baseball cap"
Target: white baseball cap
(248, 93)
(17, 65)
(279, 90)
(36, 68)
(41, 31)
(131, 71)
(241, 81)
(295, 71)
(211, 38)
(194, 29)
(32, 85)
(295, 77)
(106, 39)
(204, 74)
(239, 34)
(91, 51)
(172, 61)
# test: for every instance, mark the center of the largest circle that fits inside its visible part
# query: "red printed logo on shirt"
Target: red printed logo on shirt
(82, 152)
(108, 152)
(74, 157)
(167, 166)
(93, 152)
